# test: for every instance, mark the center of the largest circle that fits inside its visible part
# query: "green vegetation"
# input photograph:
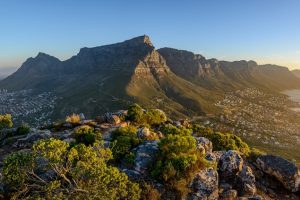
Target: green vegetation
(169, 129)
(177, 162)
(222, 141)
(80, 172)
(5, 121)
(123, 140)
(23, 129)
(86, 134)
(135, 113)
(150, 117)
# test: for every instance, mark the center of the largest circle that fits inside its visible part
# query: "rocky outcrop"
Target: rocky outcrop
(28, 140)
(284, 171)
(230, 164)
(245, 182)
(145, 154)
(205, 185)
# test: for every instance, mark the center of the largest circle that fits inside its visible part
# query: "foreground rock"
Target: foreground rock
(145, 155)
(229, 165)
(205, 185)
(284, 171)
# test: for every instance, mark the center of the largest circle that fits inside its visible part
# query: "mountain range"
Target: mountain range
(110, 77)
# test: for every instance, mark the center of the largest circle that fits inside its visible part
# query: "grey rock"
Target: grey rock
(204, 145)
(246, 181)
(145, 155)
(31, 138)
(205, 185)
(230, 164)
(284, 171)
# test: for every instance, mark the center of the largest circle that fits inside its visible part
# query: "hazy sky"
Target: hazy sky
(267, 31)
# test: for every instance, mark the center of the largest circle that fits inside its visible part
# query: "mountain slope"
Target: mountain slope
(224, 76)
(296, 72)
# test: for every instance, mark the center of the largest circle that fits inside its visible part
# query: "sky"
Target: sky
(267, 31)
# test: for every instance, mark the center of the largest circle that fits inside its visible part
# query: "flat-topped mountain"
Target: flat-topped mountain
(112, 76)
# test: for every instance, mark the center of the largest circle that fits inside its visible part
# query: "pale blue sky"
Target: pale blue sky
(267, 31)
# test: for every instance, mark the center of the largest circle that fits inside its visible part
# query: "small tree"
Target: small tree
(81, 172)
(73, 119)
(5, 121)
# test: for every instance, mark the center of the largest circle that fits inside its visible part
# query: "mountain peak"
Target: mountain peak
(140, 40)
(42, 55)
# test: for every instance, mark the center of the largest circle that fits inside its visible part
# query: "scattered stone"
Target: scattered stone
(284, 171)
(82, 117)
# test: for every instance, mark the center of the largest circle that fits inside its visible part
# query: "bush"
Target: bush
(123, 140)
(177, 154)
(81, 172)
(135, 113)
(5, 121)
(73, 119)
(154, 117)
(23, 129)
(86, 135)
(16, 165)
(200, 131)
(177, 163)
(169, 129)
(228, 141)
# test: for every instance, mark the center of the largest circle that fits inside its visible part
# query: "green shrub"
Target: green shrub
(123, 140)
(130, 131)
(169, 129)
(228, 141)
(16, 165)
(177, 154)
(135, 113)
(5, 121)
(154, 117)
(86, 135)
(81, 172)
(23, 129)
(200, 131)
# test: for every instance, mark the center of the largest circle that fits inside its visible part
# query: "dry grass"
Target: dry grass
(73, 119)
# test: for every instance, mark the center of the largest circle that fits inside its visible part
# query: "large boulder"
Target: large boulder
(230, 164)
(204, 145)
(229, 195)
(113, 119)
(145, 155)
(284, 171)
(205, 185)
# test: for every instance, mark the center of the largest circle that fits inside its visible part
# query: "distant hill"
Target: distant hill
(112, 76)
(296, 72)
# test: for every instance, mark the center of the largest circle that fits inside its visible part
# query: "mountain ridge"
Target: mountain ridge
(112, 76)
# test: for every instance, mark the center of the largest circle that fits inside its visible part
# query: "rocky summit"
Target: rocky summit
(154, 156)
